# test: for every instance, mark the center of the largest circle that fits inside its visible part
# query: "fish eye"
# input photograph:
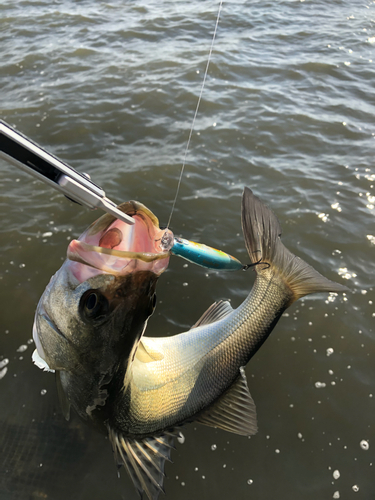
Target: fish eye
(93, 304)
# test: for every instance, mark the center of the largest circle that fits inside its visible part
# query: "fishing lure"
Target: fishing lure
(205, 256)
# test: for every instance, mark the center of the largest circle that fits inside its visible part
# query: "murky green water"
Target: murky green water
(288, 110)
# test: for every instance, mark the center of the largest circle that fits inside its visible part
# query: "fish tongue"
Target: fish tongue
(111, 239)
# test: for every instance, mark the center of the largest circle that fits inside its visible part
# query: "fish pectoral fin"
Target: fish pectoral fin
(146, 353)
(144, 459)
(218, 310)
(64, 402)
(234, 411)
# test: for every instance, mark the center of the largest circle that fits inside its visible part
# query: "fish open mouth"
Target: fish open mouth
(111, 246)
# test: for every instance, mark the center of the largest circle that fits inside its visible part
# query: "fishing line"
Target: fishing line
(195, 114)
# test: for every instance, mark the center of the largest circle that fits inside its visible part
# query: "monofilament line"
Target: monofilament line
(195, 114)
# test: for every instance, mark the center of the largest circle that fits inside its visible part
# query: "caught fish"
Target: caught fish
(95, 308)
(199, 375)
(89, 328)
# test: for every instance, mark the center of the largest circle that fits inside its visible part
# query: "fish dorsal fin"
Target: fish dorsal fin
(218, 310)
(146, 353)
(234, 411)
(64, 402)
(144, 459)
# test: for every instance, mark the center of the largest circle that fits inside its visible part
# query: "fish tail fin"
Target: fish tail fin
(270, 257)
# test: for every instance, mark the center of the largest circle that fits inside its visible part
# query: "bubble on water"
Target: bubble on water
(355, 488)
(336, 206)
(213, 447)
(185, 284)
(277, 451)
(364, 444)
(336, 494)
(196, 469)
(329, 351)
(332, 297)
(21, 266)
(323, 216)
(320, 385)
(344, 273)
(43, 392)
(47, 234)
(22, 348)
(182, 484)
(3, 372)
(299, 435)
(250, 481)
(181, 438)
(336, 474)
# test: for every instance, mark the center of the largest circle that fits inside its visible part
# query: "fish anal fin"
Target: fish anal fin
(234, 411)
(144, 459)
(218, 310)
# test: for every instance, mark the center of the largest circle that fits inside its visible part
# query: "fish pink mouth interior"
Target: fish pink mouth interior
(119, 248)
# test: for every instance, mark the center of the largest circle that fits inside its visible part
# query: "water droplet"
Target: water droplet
(3, 372)
(213, 447)
(336, 494)
(250, 481)
(364, 444)
(355, 488)
(320, 385)
(22, 348)
(185, 284)
(43, 392)
(181, 438)
(329, 351)
(3, 363)
(336, 474)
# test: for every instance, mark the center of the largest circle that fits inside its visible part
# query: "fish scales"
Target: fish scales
(163, 388)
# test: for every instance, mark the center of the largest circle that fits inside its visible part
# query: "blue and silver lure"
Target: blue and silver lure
(205, 256)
